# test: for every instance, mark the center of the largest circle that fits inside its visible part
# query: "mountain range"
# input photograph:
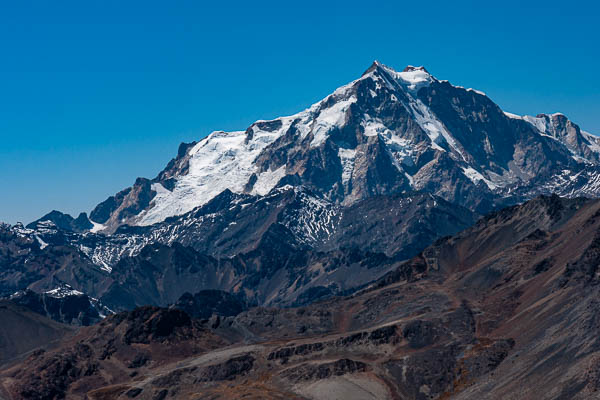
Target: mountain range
(504, 309)
(401, 238)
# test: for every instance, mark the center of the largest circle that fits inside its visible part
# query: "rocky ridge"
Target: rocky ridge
(489, 312)
(287, 247)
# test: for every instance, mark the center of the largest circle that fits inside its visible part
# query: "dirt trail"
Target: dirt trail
(345, 318)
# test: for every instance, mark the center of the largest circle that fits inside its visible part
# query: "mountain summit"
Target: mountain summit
(386, 132)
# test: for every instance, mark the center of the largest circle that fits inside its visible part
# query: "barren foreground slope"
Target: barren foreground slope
(505, 309)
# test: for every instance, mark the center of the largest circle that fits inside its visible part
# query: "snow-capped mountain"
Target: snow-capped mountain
(367, 204)
(385, 132)
(323, 201)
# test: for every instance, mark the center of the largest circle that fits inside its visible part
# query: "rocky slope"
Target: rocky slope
(287, 247)
(63, 304)
(118, 348)
(29, 262)
(23, 331)
(504, 309)
(207, 303)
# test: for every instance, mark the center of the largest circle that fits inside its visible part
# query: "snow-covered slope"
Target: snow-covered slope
(224, 160)
(386, 132)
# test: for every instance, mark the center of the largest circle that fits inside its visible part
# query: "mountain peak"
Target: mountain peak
(374, 66)
(403, 124)
(411, 78)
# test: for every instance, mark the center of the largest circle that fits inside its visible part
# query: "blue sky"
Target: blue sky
(96, 93)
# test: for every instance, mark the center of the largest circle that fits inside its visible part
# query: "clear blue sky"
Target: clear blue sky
(96, 93)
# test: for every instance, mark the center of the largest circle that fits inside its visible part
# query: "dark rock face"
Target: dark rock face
(64, 222)
(124, 204)
(433, 368)
(585, 268)
(309, 372)
(74, 309)
(131, 393)
(397, 225)
(178, 165)
(56, 374)
(229, 370)
(102, 212)
(376, 337)
(420, 333)
(152, 323)
(484, 131)
(208, 302)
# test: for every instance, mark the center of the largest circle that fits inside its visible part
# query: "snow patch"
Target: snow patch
(97, 227)
(594, 141)
(158, 188)
(511, 115)
(267, 180)
(539, 123)
(328, 119)
(476, 91)
(63, 291)
(347, 157)
(373, 127)
(475, 177)
(413, 79)
(43, 244)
